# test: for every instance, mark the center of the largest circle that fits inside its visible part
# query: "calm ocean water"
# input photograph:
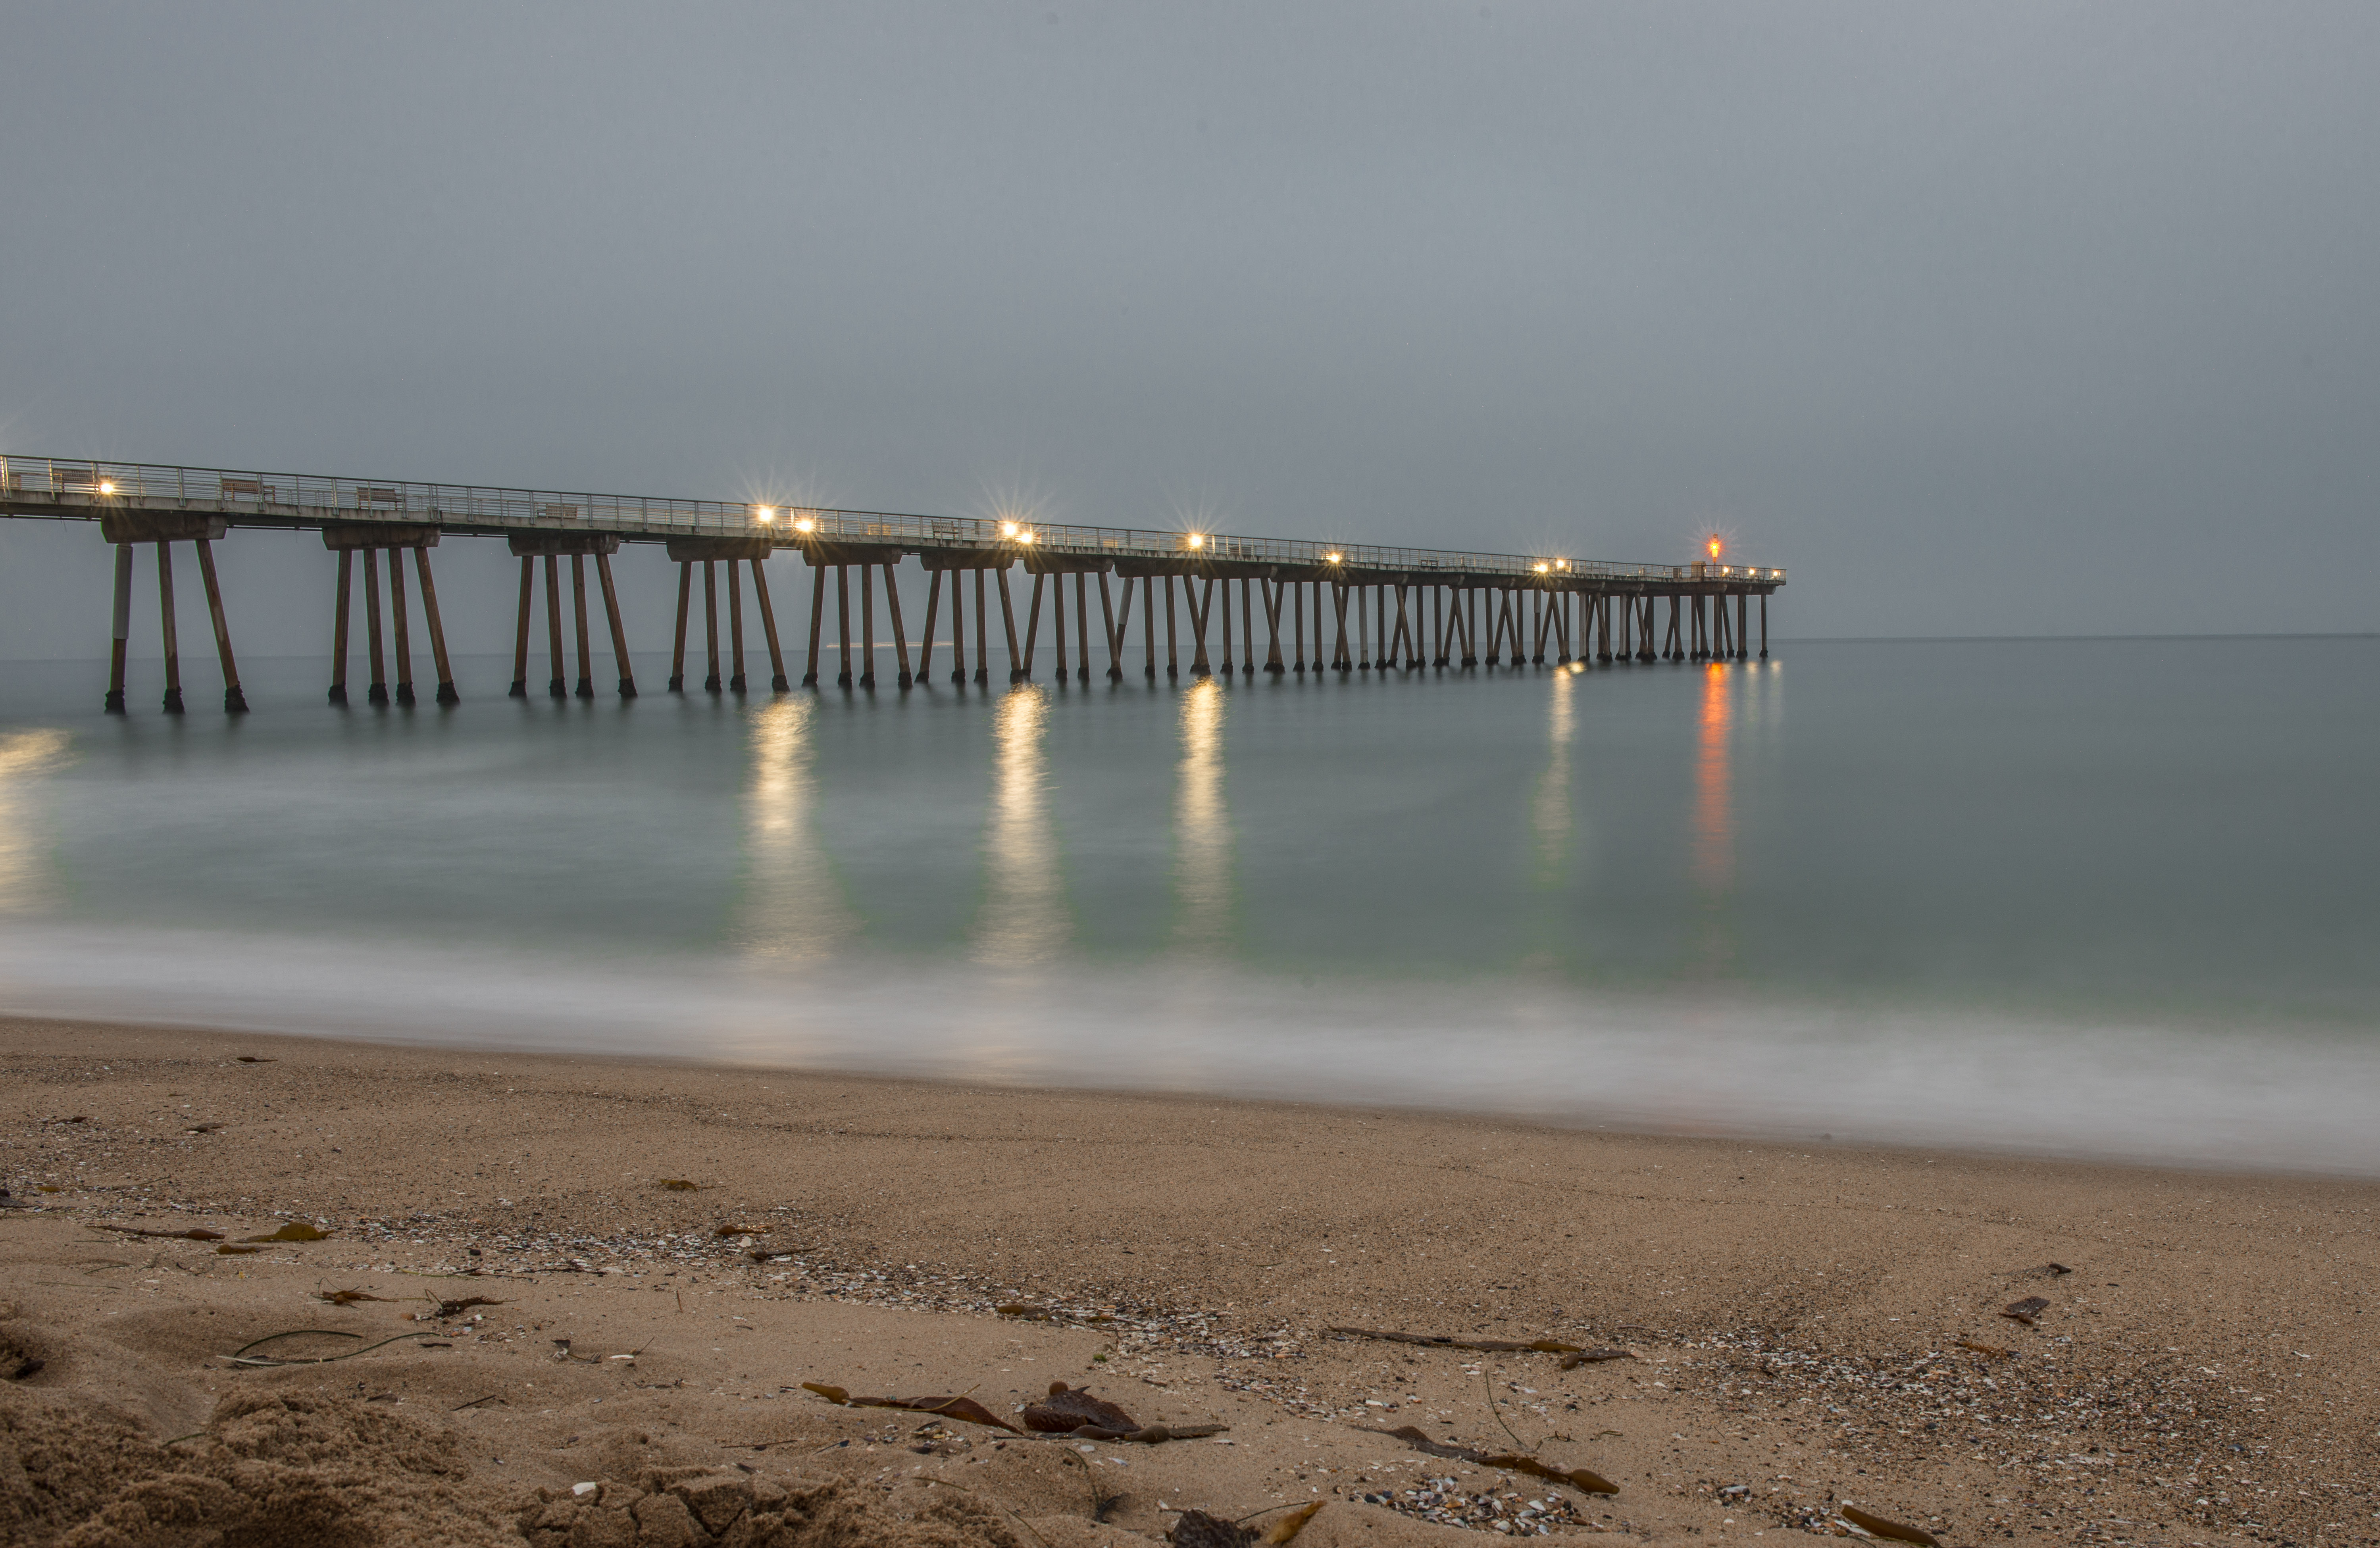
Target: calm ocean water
(2093, 897)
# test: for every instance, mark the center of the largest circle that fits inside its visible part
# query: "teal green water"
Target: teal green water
(2104, 895)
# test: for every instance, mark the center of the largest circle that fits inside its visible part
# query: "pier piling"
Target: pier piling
(339, 635)
(612, 618)
(400, 628)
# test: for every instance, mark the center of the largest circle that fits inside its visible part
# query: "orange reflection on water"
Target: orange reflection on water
(1713, 836)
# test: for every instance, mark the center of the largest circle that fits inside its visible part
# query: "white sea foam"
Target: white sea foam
(2298, 1101)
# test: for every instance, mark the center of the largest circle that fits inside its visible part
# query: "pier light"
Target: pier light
(107, 486)
(1714, 547)
(764, 514)
(1025, 535)
(1333, 558)
(1562, 563)
(1008, 529)
(1544, 568)
(1197, 541)
(806, 523)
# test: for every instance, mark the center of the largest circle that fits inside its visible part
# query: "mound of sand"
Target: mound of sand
(270, 1470)
(699, 1508)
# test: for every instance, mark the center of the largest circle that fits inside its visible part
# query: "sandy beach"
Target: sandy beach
(1791, 1337)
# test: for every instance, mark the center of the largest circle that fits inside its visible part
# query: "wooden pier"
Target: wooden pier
(1324, 607)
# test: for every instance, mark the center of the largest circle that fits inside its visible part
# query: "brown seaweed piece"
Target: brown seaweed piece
(2027, 1311)
(1508, 1461)
(1577, 1358)
(961, 1406)
(1877, 1526)
(1494, 1345)
(173, 1236)
(1070, 1408)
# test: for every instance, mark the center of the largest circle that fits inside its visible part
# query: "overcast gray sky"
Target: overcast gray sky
(2002, 319)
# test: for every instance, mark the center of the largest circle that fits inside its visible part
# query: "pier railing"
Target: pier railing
(86, 486)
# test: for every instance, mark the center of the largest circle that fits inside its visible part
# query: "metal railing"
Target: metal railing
(87, 486)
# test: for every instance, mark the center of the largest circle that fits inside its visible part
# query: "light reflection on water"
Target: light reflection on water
(1202, 829)
(793, 908)
(1024, 921)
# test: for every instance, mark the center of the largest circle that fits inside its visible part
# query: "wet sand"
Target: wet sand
(1806, 1327)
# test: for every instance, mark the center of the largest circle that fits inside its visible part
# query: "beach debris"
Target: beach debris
(456, 1308)
(348, 1297)
(1877, 1526)
(78, 1117)
(193, 1235)
(228, 1250)
(2056, 1270)
(732, 1229)
(678, 1184)
(1492, 1345)
(297, 1230)
(476, 1402)
(242, 1356)
(1581, 1479)
(202, 1128)
(1067, 1409)
(8, 1203)
(1984, 1348)
(257, 1058)
(961, 1406)
(26, 1368)
(2027, 1311)
(1032, 1313)
(1577, 1358)
(1443, 1502)
(1196, 1528)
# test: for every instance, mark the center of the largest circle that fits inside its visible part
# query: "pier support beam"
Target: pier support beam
(842, 624)
(1272, 591)
(1201, 606)
(438, 659)
(868, 626)
(234, 701)
(735, 679)
(1763, 625)
(584, 686)
(1032, 629)
(557, 686)
(1008, 620)
(1114, 628)
(925, 640)
(611, 617)
(400, 620)
(712, 682)
(122, 627)
(519, 689)
(818, 617)
(677, 650)
(1172, 650)
(338, 634)
(982, 634)
(900, 637)
(375, 692)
